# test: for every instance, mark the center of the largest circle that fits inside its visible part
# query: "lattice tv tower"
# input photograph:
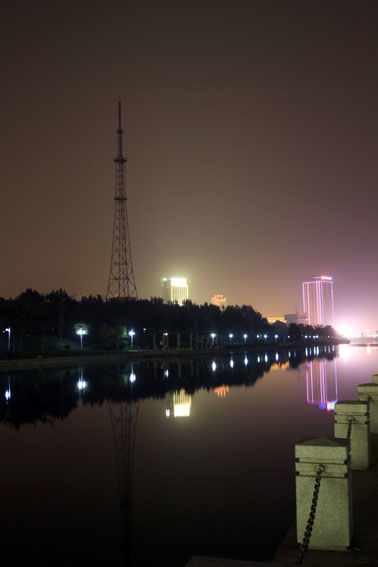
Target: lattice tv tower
(121, 278)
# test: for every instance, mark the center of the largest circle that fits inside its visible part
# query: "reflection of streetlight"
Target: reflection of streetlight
(232, 363)
(81, 383)
(230, 336)
(212, 335)
(8, 330)
(81, 332)
(245, 336)
(213, 366)
(8, 393)
(131, 335)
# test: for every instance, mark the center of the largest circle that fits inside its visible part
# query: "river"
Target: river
(150, 464)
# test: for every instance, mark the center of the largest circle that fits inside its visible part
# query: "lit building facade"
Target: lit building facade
(318, 300)
(175, 290)
(219, 300)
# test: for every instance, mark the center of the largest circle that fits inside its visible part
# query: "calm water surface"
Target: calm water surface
(147, 465)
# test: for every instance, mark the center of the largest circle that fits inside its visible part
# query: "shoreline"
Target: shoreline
(103, 358)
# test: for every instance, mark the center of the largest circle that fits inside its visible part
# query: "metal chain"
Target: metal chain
(349, 430)
(311, 519)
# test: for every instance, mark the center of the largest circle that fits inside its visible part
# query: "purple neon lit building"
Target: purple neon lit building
(318, 300)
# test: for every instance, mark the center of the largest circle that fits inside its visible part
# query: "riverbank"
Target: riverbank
(102, 358)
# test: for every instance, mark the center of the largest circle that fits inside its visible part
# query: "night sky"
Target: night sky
(251, 144)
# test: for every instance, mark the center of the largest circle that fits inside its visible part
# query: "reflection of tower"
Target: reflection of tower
(121, 278)
(321, 383)
(124, 418)
(179, 404)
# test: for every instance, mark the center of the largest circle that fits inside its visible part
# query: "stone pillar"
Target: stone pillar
(369, 393)
(358, 414)
(333, 524)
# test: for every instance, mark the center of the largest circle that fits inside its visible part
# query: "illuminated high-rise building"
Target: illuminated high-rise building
(219, 300)
(318, 300)
(175, 290)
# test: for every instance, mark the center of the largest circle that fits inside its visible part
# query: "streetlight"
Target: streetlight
(265, 337)
(230, 336)
(212, 335)
(131, 335)
(245, 336)
(8, 330)
(81, 332)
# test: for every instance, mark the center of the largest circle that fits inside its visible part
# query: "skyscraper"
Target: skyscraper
(175, 290)
(318, 300)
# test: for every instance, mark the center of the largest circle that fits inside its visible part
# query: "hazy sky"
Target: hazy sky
(251, 145)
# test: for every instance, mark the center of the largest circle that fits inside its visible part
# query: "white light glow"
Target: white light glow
(232, 363)
(179, 282)
(132, 377)
(181, 410)
(213, 366)
(8, 394)
(81, 384)
(81, 332)
(346, 330)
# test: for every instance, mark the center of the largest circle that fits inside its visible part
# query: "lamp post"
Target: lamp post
(131, 335)
(8, 330)
(81, 332)
(231, 336)
(245, 336)
(213, 335)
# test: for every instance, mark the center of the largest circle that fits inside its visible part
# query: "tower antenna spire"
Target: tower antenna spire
(121, 278)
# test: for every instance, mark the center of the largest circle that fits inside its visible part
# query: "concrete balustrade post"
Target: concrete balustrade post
(369, 393)
(356, 413)
(333, 524)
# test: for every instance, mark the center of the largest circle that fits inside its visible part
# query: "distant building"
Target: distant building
(219, 300)
(175, 290)
(297, 318)
(318, 300)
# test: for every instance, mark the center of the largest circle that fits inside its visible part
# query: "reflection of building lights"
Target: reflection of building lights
(321, 383)
(368, 350)
(277, 357)
(258, 359)
(232, 363)
(166, 372)
(245, 361)
(132, 377)
(181, 404)
(81, 384)
(266, 358)
(8, 394)
(213, 366)
(222, 391)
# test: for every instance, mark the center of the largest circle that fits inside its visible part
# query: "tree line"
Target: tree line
(108, 322)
